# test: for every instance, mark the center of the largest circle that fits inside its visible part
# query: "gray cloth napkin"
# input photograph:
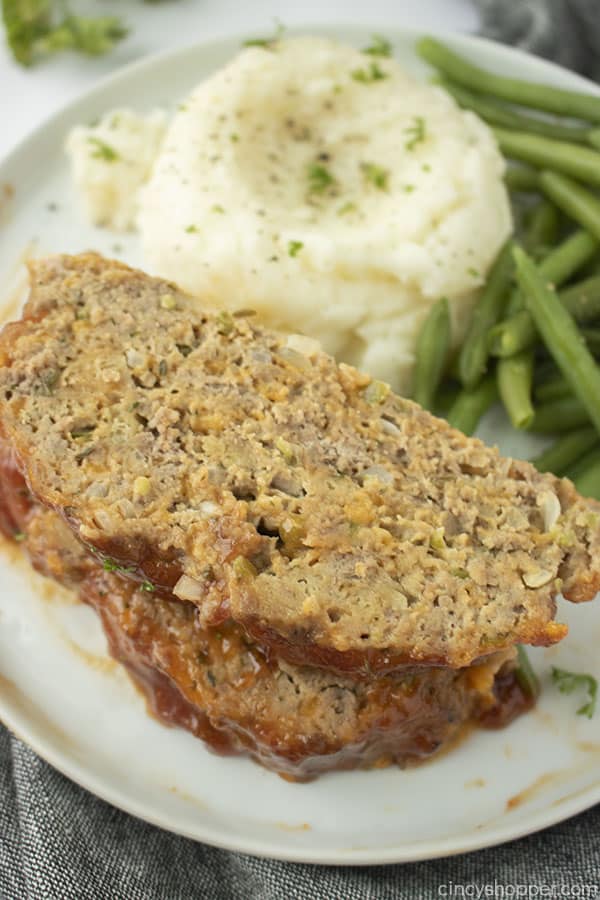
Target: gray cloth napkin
(567, 31)
(58, 841)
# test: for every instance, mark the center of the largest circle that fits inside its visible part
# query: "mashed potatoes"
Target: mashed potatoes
(321, 186)
(331, 192)
(111, 160)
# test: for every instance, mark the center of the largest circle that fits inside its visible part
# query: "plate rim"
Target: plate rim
(442, 848)
(87, 779)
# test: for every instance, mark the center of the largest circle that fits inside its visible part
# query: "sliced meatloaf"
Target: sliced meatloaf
(227, 690)
(248, 474)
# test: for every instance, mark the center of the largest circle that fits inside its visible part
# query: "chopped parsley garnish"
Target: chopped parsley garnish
(373, 73)
(19, 536)
(148, 587)
(266, 43)
(109, 565)
(415, 133)
(103, 150)
(473, 272)
(191, 229)
(234, 138)
(217, 208)
(376, 175)
(380, 46)
(319, 178)
(347, 208)
(568, 682)
(294, 247)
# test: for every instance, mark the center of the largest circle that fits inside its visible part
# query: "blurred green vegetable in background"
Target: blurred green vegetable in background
(37, 28)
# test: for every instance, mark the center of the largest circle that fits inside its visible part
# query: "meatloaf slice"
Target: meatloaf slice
(246, 472)
(227, 690)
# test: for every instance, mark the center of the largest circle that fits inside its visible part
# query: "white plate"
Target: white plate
(77, 709)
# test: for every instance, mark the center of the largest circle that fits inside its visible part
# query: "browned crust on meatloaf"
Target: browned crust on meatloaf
(334, 520)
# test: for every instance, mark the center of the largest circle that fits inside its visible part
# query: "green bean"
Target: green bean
(560, 335)
(525, 93)
(571, 159)
(574, 200)
(514, 376)
(514, 305)
(470, 406)
(555, 389)
(594, 138)
(588, 482)
(542, 227)
(559, 415)
(526, 677)
(568, 257)
(474, 353)
(566, 450)
(431, 353)
(513, 335)
(497, 114)
(522, 179)
(583, 299)
(518, 332)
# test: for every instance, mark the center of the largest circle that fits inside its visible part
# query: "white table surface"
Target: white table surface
(28, 96)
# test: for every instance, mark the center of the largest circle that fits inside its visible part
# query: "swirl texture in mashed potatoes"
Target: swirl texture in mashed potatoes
(333, 193)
